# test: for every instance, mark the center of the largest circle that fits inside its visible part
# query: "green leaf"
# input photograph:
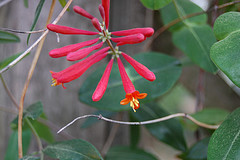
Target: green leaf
(43, 131)
(37, 13)
(25, 3)
(6, 37)
(76, 149)
(30, 158)
(225, 141)
(8, 60)
(169, 14)
(226, 24)
(226, 53)
(135, 132)
(167, 70)
(198, 151)
(211, 115)
(62, 2)
(34, 111)
(196, 41)
(169, 132)
(127, 153)
(12, 149)
(90, 121)
(155, 4)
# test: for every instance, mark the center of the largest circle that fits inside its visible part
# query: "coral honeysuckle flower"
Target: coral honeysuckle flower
(132, 95)
(79, 51)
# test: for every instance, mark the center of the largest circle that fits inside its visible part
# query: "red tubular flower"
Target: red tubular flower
(131, 39)
(77, 52)
(60, 52)
(147, 32)
(96, 24)
(106, 6)
(141, 69)
(69, 30)
(101, 10)
(76, 70)
(82, 53)
(102, 85)
(132, 95)
(82, 12)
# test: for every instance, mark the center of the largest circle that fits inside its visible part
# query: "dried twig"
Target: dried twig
(100, 117)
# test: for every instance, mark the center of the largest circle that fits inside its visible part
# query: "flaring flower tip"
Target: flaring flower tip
(132, 98)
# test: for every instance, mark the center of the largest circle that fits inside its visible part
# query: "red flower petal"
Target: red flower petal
(76, 70)
(82, 53)
(69, 30)
(127, 83)
(96, 24)
(131, 39)
(106, 6)
(82, 12)
(141, 69)
(147, 32)
(102, 12)
(102, 85)
(60, 52)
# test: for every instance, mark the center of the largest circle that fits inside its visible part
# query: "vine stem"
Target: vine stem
(40, 146)
(3, 3)
(8, 92)
(30, 73)
(185, 115)
(23, 32)
(37, 41)
(167, 26)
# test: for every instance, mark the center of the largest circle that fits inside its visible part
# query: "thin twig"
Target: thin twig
(9, 110)
(37, 41)
(9, 92)
(30, 73)
(3, 3)
(100, 117)
(165, 27)
(40, 146)
(23, 32)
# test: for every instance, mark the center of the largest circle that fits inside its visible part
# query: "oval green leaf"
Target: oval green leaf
(196, 41)
(226, 55)
(6, 37)
(128, 153)
(169, 132)
(226, 24)
(211, 115)
(225, 141)
(155, 4)
(167, 70)
(76, 149)
(197, 152)
(12, 148)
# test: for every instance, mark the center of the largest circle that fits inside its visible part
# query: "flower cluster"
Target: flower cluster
(77, 52)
